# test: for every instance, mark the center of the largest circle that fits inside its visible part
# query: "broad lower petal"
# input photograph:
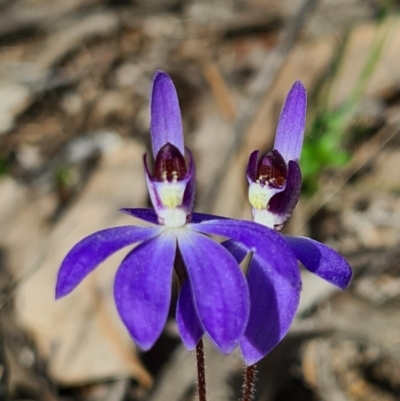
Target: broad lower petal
(266, 243)
(199, 217)
(188, 323)
(148, 215)
(236, 249)
(292, 122)
(321, 260)
(274, 303)
(87, 254)
(142, 288)
(274, 283)
(219, 287)
(166, 121)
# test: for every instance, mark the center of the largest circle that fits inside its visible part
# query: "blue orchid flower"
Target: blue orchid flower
(274, 190)
(214, 298)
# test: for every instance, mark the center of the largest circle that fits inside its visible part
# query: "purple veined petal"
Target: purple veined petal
(262, 241)
(291, 125)
(188, 323)
(283, 203)
(321, 260)
(236, 249)
(148, 215)
(274, 303)
(219, 288)
(87, 254)
(142, 288)
(166, 121)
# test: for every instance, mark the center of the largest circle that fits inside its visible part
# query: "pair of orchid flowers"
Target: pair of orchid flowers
(252, 311)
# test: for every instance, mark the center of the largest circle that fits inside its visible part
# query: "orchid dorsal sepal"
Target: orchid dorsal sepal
(292, 122)
(165, 114)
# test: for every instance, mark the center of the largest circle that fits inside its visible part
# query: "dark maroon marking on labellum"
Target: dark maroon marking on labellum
(170, 164)
(272, 170)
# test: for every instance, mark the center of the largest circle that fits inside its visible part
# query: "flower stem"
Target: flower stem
(201, 371)
(201, 367)
(249, 385)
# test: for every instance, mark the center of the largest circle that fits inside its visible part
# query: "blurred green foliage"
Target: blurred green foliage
(324, 146)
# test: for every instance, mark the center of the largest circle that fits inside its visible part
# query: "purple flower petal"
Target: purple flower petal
(274, 303)
(94, 249)
(321, 260)
(251, 170)
(200, 217)
(166, 121)
(187, 321)
(273, 306)
(291, 125)
(148, 215)
(155, 200)
(266, 243)
(237, 250)
(219, 289)
(142, 288)
(274, 283)
(283, 203)
(190, 192)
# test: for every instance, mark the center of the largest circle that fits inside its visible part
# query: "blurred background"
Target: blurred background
(75, 78)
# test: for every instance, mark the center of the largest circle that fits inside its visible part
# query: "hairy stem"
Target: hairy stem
(201, 371)
(249, 385)
(201, 368)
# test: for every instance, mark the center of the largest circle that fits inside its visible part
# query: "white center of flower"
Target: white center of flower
(266, 218)
(171, 193)
(173, 217)
(260, 195)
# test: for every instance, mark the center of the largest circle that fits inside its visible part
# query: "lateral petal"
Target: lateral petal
(236, 249)
(142, 288)
(274, 303)
(321, 260)
(87, 254)
(148, 215)
(262, 241)
(219, 287)
(274, 283)
(200, 217)
(292, 122)
(166, 121)
(188, 323)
